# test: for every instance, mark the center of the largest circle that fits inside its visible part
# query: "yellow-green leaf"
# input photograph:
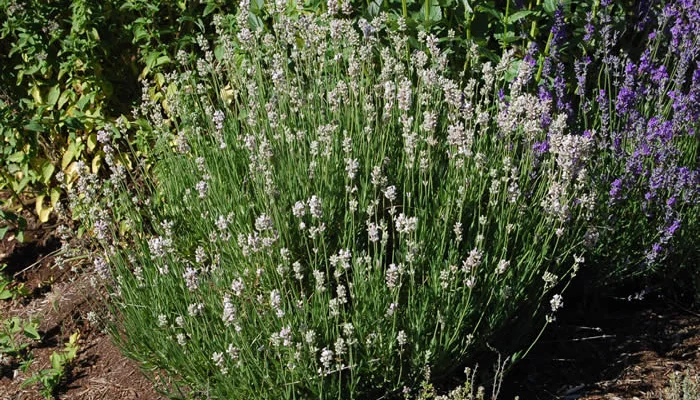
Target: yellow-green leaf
(55, 195)
(68, 156)
(92, 141)
(53, 95)
(96, 162)
(36, 94)
(16, 157)
(227, 94)
(65, 96)
(47, 171)
(41, 210)
(124, 227)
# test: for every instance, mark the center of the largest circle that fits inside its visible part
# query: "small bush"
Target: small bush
(337, 214)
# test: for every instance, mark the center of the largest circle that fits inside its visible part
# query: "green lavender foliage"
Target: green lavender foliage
(336, 215)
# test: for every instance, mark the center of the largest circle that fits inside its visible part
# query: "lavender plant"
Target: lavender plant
(639, 105)
(336, 216)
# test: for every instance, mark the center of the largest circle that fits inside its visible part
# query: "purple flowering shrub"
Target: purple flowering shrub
(638, 102)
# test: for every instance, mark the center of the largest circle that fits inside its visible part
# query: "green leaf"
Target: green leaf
(30, 331)
(256, 6)
(34, 126)
(467, 7)
(55, 195)
(16, 157)
(211, 6)
(82, 102)
(65, 96)
(508, 37)
(551, 5)
(139, 33)
(517, 16)
(219, 52)
(91, 141)
(516, 357)
(434, 14)
(15, 325)
(255, 22)
(19, 186)
(53, 95)
(3, 231)
(162, 60)
(489, 9)
(375, 7)
(74, 123)
(47, 171)
(56, 361)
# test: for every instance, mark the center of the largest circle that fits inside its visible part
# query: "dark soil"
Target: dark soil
(618, 348)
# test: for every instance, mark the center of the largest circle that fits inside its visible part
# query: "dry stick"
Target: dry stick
(592, 338)
(53, 253)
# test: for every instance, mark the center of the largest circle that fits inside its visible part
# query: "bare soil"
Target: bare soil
(60, 300)
(614, 349)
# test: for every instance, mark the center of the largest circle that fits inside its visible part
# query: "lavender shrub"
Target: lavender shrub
(338, 217)
(640, 106)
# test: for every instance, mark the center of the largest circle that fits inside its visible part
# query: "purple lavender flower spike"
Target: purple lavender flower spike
(615, 190)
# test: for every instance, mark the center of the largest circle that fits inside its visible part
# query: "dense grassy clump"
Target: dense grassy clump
(338, 217)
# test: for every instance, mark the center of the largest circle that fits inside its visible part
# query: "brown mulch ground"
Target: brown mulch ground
(60, 300)
(615, 349)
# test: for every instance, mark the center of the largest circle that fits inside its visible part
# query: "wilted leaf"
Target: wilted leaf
(160, 79)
